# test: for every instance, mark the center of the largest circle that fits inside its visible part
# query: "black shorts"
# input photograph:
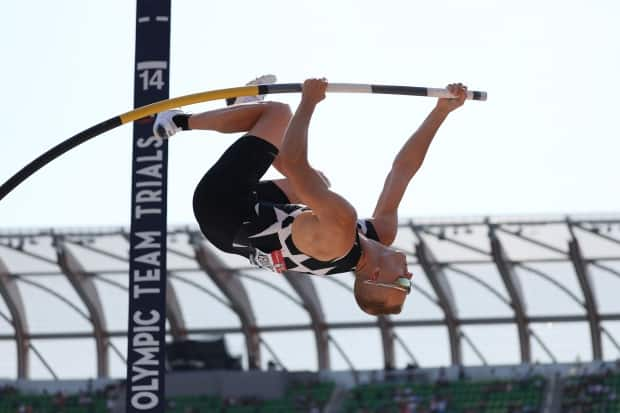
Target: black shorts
(225, 196)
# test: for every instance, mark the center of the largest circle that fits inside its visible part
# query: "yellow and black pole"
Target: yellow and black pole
(152, 109)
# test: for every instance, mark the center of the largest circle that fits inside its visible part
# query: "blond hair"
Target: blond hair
(371, 301)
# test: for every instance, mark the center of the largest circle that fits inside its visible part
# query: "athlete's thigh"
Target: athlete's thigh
(285, 187)
(273, 123)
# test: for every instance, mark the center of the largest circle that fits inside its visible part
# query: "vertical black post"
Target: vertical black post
(146, 336)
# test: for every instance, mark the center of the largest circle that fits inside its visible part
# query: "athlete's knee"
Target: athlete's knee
(278, 110)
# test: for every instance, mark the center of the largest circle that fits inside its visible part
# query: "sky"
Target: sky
(545, 142)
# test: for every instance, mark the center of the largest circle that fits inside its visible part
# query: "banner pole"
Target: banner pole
(146, 334)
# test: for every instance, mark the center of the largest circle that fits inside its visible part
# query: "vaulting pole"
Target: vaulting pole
(141, 113)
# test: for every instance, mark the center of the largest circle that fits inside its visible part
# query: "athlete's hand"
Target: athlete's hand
(449, 104)
(314, 90)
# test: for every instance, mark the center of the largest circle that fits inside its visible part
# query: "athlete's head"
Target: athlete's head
(382, 280)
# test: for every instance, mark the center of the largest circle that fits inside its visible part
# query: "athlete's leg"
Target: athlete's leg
(285, 186)
(266, 120)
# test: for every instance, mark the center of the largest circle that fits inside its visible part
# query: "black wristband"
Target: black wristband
(181, 121)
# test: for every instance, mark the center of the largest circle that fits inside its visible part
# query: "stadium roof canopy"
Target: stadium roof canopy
(487, 291)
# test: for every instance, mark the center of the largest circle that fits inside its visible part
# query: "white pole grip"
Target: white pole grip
(443, 93)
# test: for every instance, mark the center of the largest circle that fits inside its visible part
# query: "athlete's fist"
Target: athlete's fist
(314, 90)
(459, 91)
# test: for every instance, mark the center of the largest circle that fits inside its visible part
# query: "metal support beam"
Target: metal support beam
(273, 354)
(304, 287)
(438, 322)
(43, 361)
(346, 359)
(387, 340)
(515, 292)
(87, 291)
(233, 289)
(9, 292)
(406, 349)
(545, 348)
(174, 314)
(475, 348)
(585, 281)
(611, 338)
(173, 309)
(440, 284)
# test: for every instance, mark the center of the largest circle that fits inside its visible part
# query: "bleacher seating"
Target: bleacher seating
(579, 393)
(57, 403)
(460, 396)
(595, 393)
(301, 397)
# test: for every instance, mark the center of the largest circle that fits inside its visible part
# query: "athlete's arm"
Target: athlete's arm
(332, 226)
(408, 161)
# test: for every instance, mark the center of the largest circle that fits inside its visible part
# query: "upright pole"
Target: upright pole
(146, 337)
